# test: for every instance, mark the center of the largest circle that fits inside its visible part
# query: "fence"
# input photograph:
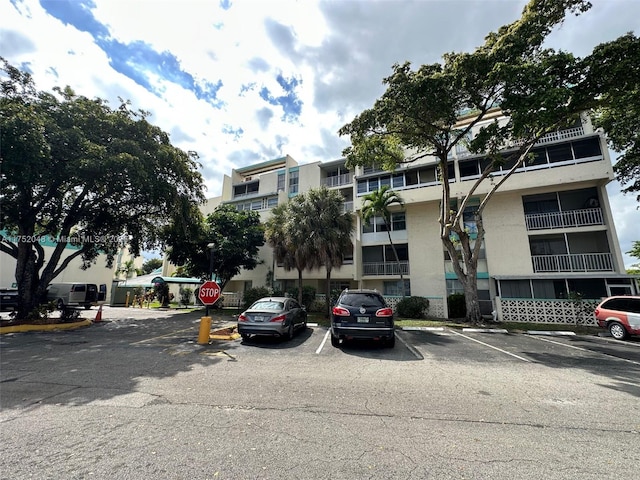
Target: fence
(546, 311)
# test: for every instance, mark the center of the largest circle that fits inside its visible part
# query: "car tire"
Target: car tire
(290, 332)
(391, 342)
(245, 336)
(335, 341)
(618, 331)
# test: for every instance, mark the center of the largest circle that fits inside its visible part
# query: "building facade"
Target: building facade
(549, 236)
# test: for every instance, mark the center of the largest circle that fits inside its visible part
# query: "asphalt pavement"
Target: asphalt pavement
(136, 396)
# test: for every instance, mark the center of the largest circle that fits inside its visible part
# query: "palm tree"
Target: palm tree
(376, 204)
(329, 230)
(284, 232)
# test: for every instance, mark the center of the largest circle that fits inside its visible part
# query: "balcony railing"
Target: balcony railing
(573, 262)
(461, 150)
(571, 218)
(338, 180)
(347, 207)
(385, 268)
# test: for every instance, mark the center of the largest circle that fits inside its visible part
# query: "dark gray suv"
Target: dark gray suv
(362, 314)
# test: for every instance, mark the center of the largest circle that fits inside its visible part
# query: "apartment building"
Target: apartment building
(549, 228)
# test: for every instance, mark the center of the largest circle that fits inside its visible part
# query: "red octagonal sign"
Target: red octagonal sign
(209, 293)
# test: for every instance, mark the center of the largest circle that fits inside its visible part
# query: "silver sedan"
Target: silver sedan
(276, 316)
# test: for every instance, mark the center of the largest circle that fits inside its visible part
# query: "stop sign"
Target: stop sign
(209, 293)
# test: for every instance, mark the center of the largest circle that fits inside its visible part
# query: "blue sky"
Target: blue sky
(241, 82)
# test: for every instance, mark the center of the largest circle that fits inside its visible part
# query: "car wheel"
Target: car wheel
(391, 342)
(335, 341)
(617, 331)
(245, 336)
(290, 332)
(87, 307)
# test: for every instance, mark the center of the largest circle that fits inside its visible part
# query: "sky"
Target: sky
(246, 81)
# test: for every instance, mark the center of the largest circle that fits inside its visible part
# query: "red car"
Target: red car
(619, 315)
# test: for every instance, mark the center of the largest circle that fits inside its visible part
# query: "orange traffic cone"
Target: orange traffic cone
(98, 315)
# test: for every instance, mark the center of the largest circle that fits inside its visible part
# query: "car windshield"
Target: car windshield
(362, 300)
(267, 305)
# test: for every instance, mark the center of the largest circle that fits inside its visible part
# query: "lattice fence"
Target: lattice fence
(546, 311)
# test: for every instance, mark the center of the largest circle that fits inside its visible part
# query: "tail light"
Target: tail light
(341, 312)
(384, 312)
(242, 318)
(597, 312)
(279, 318)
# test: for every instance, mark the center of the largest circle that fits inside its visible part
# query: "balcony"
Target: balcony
(338, 180)
(574, 262)
(573, 218)
(462, 151)
(347, 207)
(385, 268)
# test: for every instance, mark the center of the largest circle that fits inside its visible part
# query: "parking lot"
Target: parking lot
(136, 395)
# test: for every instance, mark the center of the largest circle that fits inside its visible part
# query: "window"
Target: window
(245, 189)
(560, 153)
(272, 202)
(281, 176)
(393, 288)
(398, 180)
(293, 182)
(398, 221)
(362, 186)
(587, 148)
(469, 168)
(376, 224)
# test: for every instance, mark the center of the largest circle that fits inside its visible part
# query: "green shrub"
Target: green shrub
(252, 294)
(308, 295)
(412, 307)
(185, 295)
(457, 307)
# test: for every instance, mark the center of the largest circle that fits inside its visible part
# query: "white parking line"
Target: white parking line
(412, 349)
(491, 346)
(586, 350)
(324, 340)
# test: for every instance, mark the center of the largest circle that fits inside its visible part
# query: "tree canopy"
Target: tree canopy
(429, 111)
(236, 237)
(80, 173)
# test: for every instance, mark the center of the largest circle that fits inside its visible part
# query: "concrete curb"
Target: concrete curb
(44, 328)
(428, 329)
(551, 333)
(485, 330)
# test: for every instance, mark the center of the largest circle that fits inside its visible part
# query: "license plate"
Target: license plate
(258, 318)
(362, 319)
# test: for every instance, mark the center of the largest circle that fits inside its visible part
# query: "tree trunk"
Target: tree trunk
(300, 286)
(27, 280)
(328, 295)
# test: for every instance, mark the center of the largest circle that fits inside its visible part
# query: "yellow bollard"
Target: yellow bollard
(205, 330)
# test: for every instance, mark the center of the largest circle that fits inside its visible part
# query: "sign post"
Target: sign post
(209, 293)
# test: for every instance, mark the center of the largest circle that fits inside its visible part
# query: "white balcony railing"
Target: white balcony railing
(462, 151)
(338, 180)
(571, 218)
(573, 262)
(385, 268)
(347, 207)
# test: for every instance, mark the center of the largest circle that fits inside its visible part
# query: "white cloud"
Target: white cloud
(339, 51)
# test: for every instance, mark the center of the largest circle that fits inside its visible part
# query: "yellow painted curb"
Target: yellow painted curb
(233, 336)
(44, 328)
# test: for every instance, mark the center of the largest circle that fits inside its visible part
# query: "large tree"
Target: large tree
(285, 234)
(78, 172)
(377, 204)
(614, 69)
(236, 237)
(328, 228)
(421, 115)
